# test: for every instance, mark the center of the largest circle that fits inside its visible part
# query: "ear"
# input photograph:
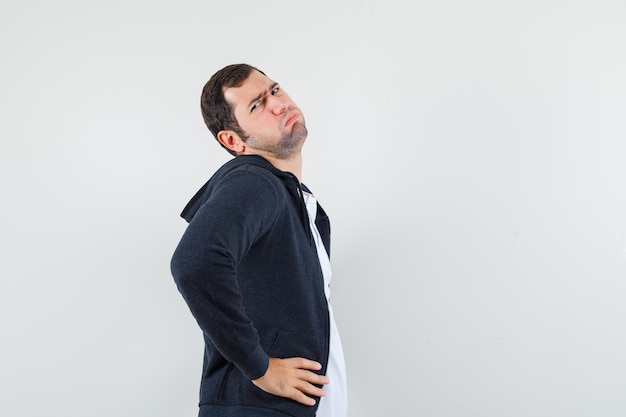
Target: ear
(231, 140)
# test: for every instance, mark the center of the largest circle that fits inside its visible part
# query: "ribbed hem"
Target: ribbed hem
(211, 410)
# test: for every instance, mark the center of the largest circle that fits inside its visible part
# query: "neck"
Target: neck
(292, 164)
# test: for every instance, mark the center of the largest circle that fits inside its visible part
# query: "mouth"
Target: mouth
(291, 119)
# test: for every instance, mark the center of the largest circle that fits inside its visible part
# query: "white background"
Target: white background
(471, 156)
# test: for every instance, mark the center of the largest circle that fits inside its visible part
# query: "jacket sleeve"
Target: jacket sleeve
(239, 210)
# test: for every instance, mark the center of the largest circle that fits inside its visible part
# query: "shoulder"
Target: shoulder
(242, 185)
(248, 189)
(249, 181)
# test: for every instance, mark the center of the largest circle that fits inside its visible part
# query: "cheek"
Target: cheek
(247, 124)
(263, 127)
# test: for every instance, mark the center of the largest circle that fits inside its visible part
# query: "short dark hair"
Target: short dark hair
(217, 113)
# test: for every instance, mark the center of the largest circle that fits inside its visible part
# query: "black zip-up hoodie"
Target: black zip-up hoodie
(248, 268)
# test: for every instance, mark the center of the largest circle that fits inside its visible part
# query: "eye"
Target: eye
(256, 105)
(275, 90)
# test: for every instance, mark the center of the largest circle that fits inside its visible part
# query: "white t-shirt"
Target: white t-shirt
(335, 402)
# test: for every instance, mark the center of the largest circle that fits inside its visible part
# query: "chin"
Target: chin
(299, 129)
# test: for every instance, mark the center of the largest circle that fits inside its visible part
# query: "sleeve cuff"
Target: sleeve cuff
(256, 365)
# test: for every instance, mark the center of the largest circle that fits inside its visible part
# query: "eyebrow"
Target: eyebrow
(259, 96)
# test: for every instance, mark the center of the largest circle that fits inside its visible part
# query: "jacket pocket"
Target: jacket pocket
(292, 344)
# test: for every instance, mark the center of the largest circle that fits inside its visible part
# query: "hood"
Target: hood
(204, 193)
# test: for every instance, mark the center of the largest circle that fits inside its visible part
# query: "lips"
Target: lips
(291, 119)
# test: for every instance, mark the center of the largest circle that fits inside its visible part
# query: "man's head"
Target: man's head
(250, 114)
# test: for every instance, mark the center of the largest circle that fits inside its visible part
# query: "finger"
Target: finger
(300, 394)
(303, 363)
(297, 395)
(300, 397)
(312, 377)
(309, 389)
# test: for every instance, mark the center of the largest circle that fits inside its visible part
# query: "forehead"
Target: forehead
(255, 85)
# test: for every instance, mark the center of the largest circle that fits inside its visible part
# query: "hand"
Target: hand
(292, 378)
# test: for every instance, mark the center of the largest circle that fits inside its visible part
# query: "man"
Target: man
(253, 264)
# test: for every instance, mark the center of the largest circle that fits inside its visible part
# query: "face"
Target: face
(273, 124)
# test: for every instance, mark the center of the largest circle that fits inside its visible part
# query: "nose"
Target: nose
(279, 104)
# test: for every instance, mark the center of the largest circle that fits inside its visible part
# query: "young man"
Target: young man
(253, 264)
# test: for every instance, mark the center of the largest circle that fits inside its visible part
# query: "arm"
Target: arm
(205, 269)
(239, 210)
